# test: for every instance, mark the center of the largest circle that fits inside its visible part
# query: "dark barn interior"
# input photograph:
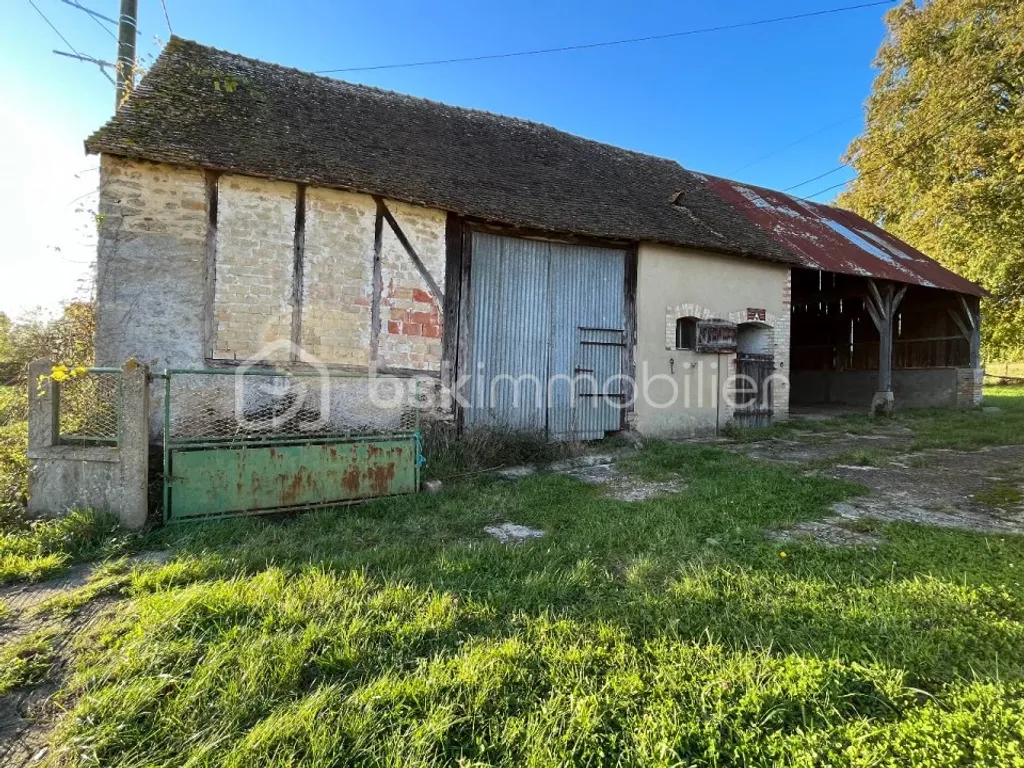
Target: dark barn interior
(836, 347)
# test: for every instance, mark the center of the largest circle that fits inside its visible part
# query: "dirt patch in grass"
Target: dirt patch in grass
(979, 491)
(38, 632)
(618, 484)
(27, 712)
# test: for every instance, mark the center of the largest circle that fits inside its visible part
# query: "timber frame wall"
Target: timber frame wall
(844, 323)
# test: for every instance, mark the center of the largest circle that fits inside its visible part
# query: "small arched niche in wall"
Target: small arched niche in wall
(755, 338)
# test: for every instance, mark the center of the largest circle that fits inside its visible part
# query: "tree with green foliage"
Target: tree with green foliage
(941, 162)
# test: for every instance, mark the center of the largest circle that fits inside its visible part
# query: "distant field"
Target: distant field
(1005, 369)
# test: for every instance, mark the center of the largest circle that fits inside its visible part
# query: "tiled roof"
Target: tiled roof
(204, 107)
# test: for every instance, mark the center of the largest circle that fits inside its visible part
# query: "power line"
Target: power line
(608, 43)
(841, 166)
(50, 23)
(167, 16)
(795, 143)
(90, 11)
(819, 176)
(916, 145)
(96, 17)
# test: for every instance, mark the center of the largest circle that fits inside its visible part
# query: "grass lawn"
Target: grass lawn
(664, 632)
(931, 427)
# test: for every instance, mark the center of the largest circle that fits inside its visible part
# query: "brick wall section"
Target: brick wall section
(410, 317)
(338, 276)
(783, 329)
(151, 263)
(254, 266)
(969, 385)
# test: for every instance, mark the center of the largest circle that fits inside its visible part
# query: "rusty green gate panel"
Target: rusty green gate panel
(252, 440)
(209, 482)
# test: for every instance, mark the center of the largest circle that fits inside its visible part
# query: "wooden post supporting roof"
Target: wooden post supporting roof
(969, 324)
(882, 304)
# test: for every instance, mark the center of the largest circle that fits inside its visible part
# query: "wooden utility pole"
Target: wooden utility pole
(127, 31)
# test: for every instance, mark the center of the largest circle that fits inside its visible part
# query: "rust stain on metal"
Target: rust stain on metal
(835, 240)
(380, 478)
(351, 479)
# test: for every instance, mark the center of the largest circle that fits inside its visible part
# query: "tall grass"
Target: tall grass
(31, 551)
(451, 454)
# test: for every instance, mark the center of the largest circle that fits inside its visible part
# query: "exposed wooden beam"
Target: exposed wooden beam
(378, 282)
(898, 299)
(428, 279)
(876, 297)
(969, 323)
(961, 326)
(968, 311)
(209, 330)
(298, 269)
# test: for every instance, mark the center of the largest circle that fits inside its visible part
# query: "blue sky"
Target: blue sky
(714, 102)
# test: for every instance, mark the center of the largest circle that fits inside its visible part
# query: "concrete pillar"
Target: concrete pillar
(43, 407)
(101, 477)
(133, 444)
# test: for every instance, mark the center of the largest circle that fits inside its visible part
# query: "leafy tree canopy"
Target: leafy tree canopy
(64, 339)
(941, 162)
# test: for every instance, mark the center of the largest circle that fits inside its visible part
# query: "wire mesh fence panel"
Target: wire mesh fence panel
(226, 406)
(88, 406)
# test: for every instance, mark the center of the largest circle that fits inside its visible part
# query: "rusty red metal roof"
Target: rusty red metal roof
(835, 240)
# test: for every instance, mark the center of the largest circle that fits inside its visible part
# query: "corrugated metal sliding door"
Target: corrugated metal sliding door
(587, 340)
(510, 332)
(547, 336)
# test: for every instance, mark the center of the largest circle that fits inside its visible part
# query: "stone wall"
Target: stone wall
(912, 387)
(969, 385)
(151, 263)
(410, 315)
(676, 282)
(337, 283)
(188, 277)
(254, 268)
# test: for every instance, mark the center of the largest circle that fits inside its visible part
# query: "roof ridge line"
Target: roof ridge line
(475, 111)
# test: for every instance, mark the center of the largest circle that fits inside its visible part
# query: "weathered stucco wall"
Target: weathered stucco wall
(151, 263)
(338, 276)
(180, 285)
(685, 397)
(254, 268)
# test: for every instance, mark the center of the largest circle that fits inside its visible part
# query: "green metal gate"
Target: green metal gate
(248, 441)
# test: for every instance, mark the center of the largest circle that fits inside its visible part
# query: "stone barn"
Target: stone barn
(253, 214)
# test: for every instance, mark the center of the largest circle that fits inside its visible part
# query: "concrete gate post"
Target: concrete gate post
(133, 444)
(108, 478)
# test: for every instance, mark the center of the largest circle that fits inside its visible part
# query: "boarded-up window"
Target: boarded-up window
(716, 336)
